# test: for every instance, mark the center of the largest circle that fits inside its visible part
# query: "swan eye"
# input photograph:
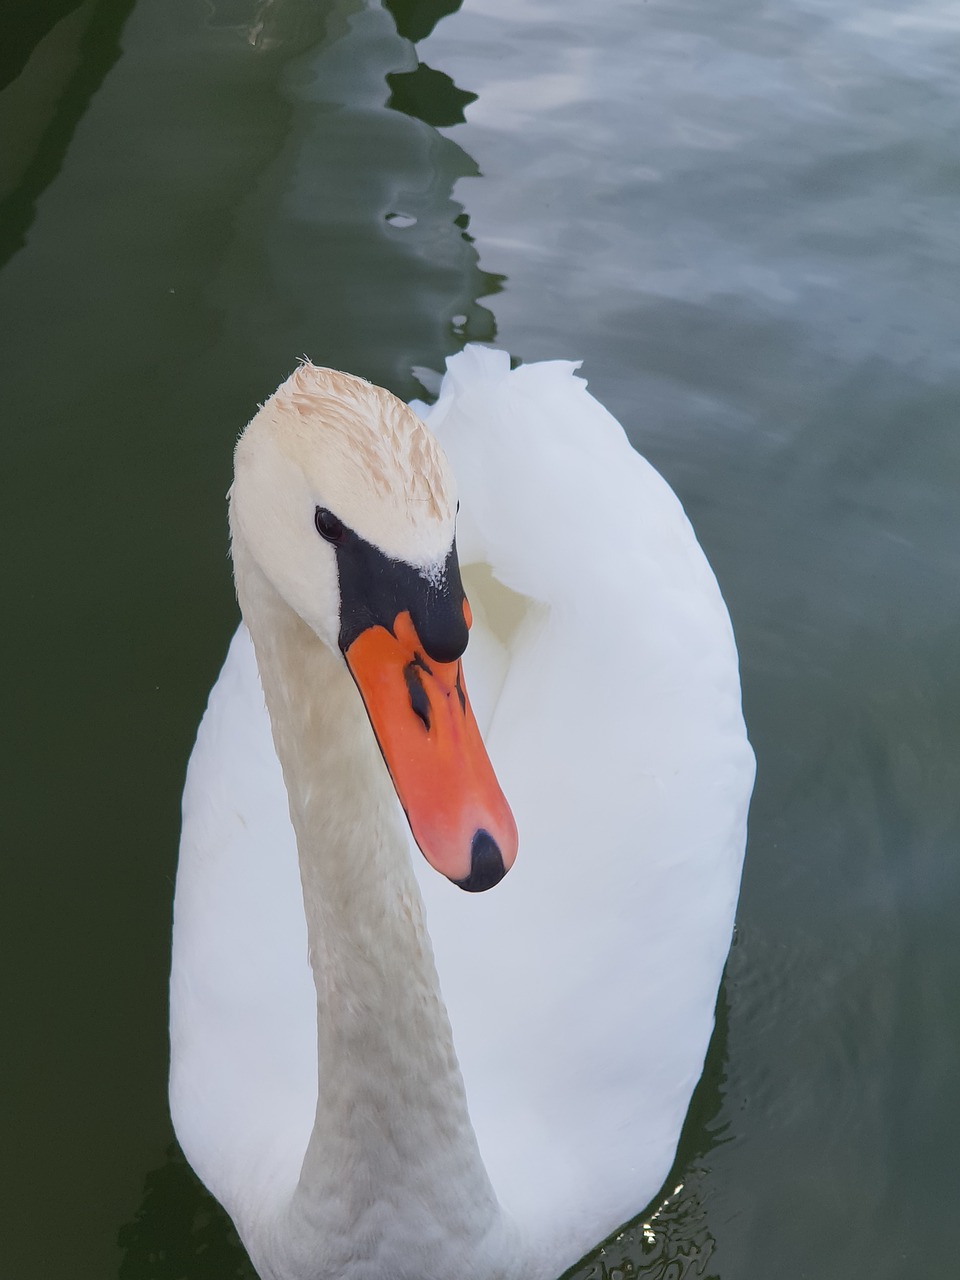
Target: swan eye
(328, 526)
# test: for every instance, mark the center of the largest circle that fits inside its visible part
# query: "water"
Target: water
(742, 216)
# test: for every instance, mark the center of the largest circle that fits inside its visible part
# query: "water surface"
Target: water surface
(742, 217)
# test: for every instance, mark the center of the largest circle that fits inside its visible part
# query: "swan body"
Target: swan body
(378, 1074)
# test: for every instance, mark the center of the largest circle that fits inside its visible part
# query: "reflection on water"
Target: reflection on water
(672, 1243)
(392, 215)
(429, 95)
(415, 19)
(56, 66)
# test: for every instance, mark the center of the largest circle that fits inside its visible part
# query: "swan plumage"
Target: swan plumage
(580, 991)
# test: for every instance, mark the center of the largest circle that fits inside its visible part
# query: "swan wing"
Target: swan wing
(582, 990)
(243, 1078)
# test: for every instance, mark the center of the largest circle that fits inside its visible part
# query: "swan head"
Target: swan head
(348, 505)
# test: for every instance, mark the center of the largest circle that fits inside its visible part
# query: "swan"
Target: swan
(378, 1073)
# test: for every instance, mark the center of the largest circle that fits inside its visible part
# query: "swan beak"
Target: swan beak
(429, 738)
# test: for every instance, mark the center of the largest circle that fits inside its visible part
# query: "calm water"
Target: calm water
(743, 216)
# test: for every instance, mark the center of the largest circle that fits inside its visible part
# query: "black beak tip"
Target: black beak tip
(486, 864)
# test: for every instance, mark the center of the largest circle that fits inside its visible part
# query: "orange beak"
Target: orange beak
(428, 735)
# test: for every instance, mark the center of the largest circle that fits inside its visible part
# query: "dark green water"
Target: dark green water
(744, 217)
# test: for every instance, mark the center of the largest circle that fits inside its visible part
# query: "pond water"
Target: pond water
(742, 216)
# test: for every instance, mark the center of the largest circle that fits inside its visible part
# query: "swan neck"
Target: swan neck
(392, 1152)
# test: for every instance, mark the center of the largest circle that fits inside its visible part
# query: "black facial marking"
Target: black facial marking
(374, 589)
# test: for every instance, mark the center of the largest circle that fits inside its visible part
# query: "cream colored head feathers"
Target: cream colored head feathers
(332, 440)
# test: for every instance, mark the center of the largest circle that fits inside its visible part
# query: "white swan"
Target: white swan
(505, 1128)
